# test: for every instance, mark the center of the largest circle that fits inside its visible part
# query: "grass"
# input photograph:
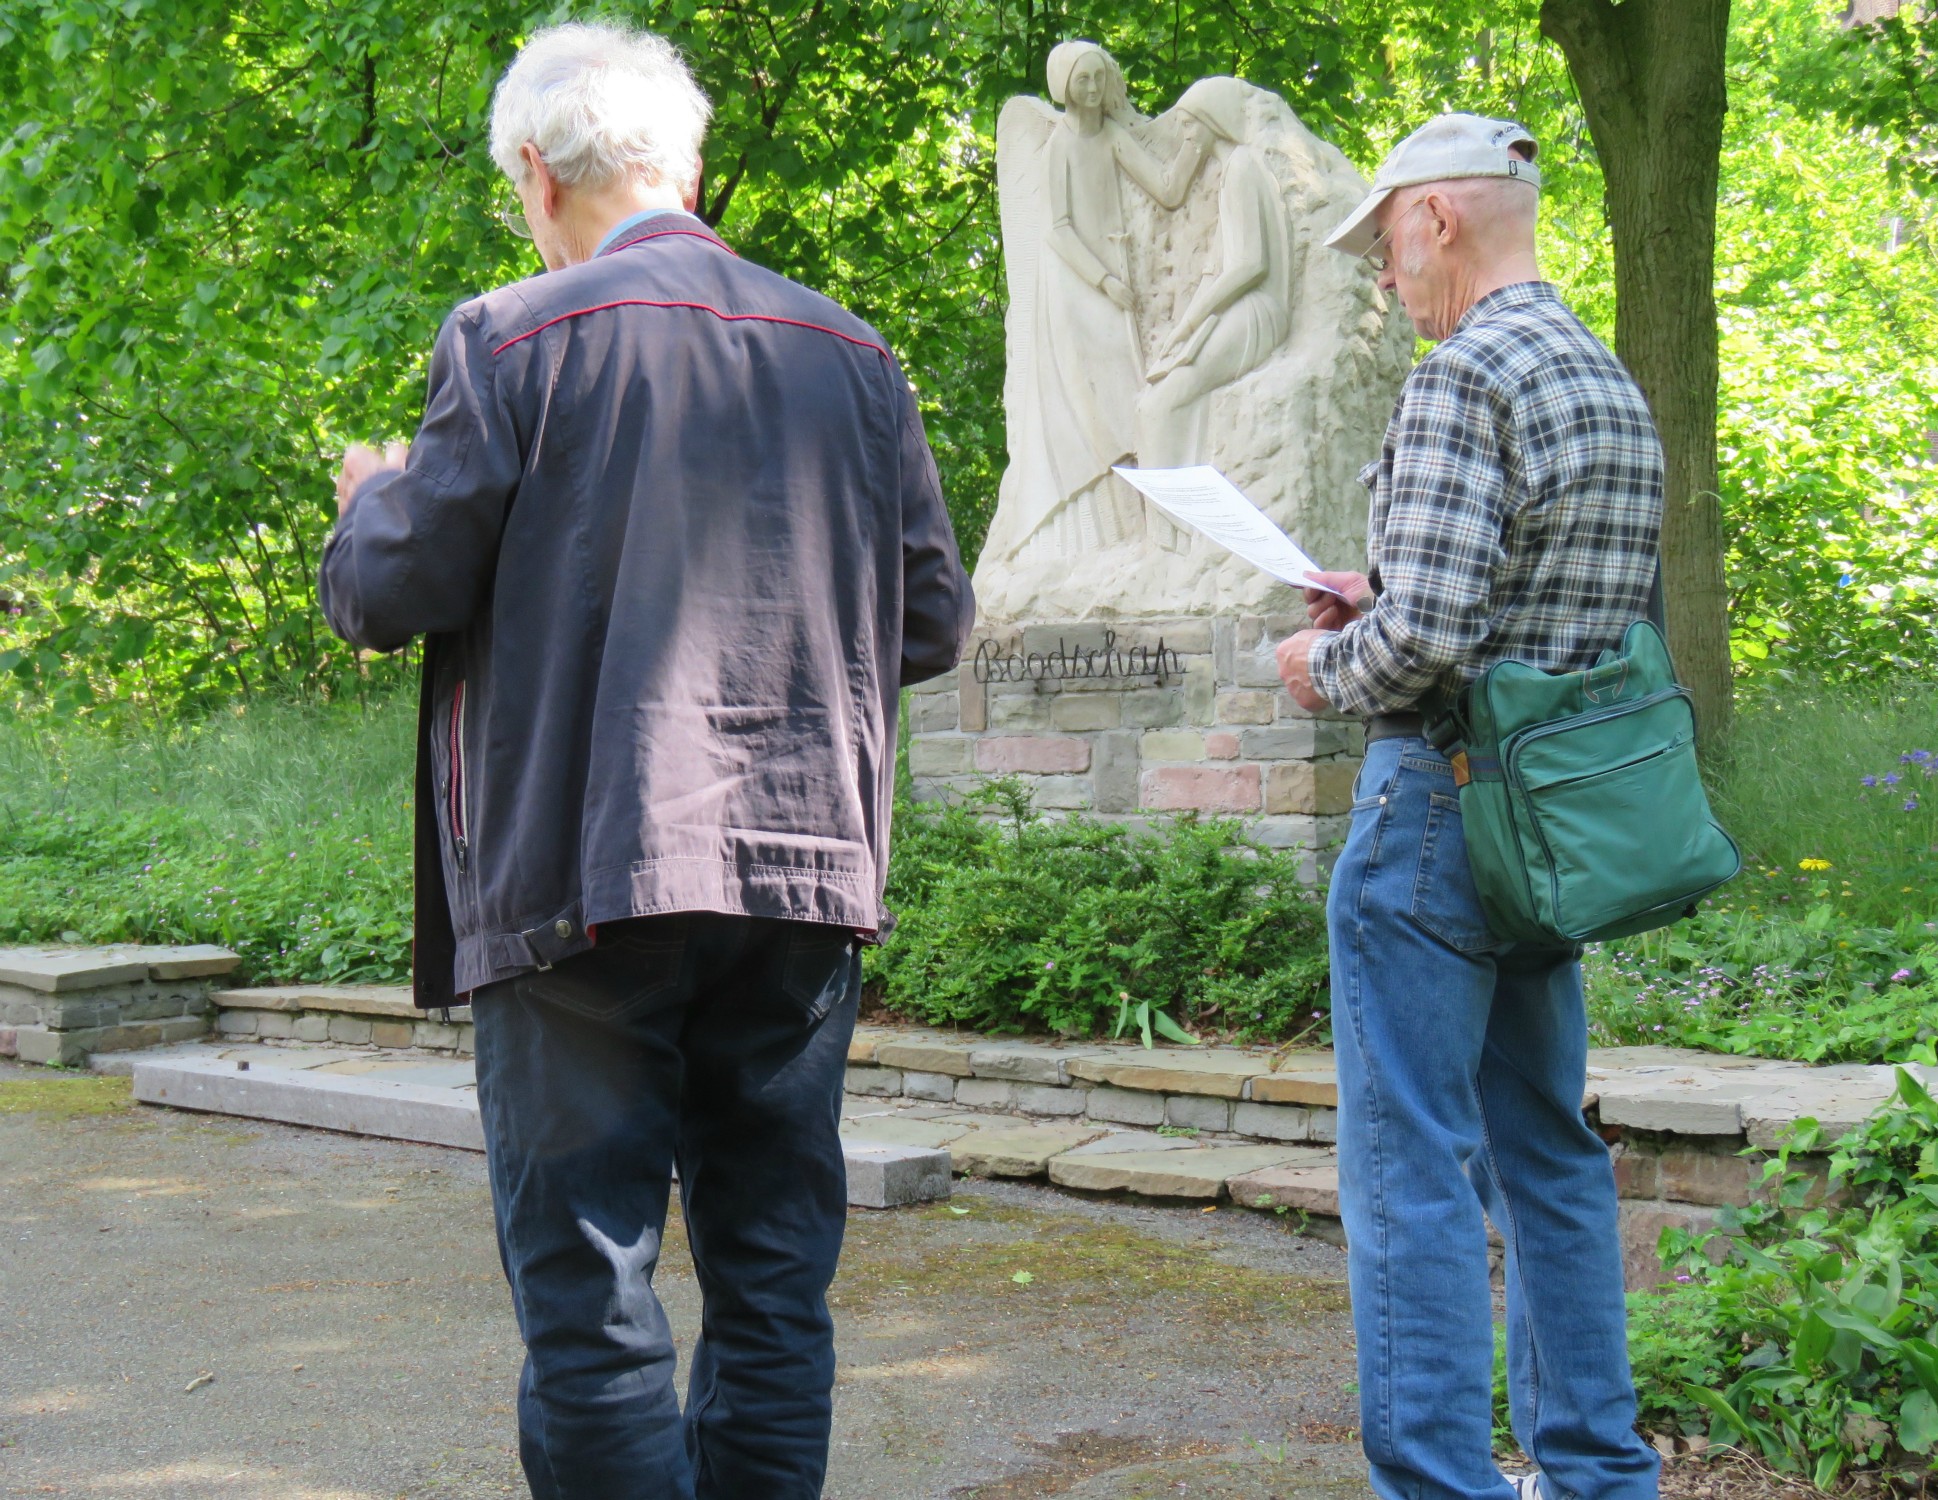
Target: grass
(65, 1097)
(1791, 788)
(282, 832)
(1826, 948)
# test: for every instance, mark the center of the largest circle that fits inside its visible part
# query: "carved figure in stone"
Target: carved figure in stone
(1164, 308)
(1088, 355)
(1241, 313)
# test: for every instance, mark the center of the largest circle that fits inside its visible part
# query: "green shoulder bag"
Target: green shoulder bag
(1583, 809)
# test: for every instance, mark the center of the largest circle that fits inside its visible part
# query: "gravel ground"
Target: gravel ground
(200, 1308)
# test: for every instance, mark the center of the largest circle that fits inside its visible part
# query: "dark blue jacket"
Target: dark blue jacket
(674, 536)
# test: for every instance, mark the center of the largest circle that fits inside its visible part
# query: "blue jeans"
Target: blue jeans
(1461, 1068)
(712, 1042)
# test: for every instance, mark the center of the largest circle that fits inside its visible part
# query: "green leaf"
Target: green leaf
(1170, 1029)
(1918, 1422)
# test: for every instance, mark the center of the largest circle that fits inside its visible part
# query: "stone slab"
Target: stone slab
(862, 1045)
(388, 1001)
(1020, 1151)
(64, 970)
(1222, 1074)
(1119, 1142)
(61, 970)
(1311, 1188)
(1199, 1173)
(1125, 1106)
(895, 1176)
(1839, 1104)
(926, 1057)
(434, 1072)
(1024, 1062)
(865, 1078)
(355, 1105)
(1272, 1122)
(1308, 1086)
(899, 1130)
(1686, 1101)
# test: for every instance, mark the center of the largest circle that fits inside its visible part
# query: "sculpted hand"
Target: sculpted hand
(1329, 611)
(1115, 289)
(362, 462)
(1295, 669)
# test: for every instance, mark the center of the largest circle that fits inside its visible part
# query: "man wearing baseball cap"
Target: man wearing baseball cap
(1516, 502)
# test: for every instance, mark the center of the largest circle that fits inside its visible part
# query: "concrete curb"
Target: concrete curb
(879, 1176)
(354, 1105)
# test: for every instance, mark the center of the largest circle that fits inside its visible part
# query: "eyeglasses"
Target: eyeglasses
(1377, 258)
(515, 222)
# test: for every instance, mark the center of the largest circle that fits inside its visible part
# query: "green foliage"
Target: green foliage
(1076, 927)
(283, 834)
(1829, 319)
(1812, 1343)
(1826, 949)
(228, 233)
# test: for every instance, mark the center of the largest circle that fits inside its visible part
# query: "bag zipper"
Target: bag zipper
(1521, 739)
(458, 806)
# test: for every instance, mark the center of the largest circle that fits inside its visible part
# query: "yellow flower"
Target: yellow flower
(1813, 864)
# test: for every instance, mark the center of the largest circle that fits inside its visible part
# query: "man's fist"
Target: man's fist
(1329, 611)
(1295, 669)
(362, 462)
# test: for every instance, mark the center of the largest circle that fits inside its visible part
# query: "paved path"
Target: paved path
(345, 1295)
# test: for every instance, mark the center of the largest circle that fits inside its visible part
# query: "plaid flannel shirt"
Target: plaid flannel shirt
(1516, 505)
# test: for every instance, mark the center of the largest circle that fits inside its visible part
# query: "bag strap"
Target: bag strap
(1658, 601)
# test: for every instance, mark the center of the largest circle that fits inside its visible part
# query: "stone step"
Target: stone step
(431, 1100)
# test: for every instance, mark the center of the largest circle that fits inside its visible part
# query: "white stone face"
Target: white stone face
(1171, 303)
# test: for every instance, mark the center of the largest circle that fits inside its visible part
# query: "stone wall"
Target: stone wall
(1132, 720)
(61, 1005)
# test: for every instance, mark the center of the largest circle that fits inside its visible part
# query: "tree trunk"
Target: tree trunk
(1650, 74)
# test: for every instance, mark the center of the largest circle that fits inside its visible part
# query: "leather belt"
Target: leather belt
(1407, 725)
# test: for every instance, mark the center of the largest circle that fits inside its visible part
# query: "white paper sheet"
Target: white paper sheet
(1203, 499)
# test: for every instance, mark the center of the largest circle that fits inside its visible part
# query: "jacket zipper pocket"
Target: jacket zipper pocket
(458, 806)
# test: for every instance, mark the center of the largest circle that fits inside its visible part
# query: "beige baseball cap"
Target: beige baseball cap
(1441, 150)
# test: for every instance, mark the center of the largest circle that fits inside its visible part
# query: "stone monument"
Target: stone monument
(1170, 303)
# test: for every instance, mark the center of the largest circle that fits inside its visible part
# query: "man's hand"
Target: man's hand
(1329, 611)
(1295, 666)
(362, 462)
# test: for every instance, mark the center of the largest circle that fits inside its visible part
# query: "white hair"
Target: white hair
(601, 104)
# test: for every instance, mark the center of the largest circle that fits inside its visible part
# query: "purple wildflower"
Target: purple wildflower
(1867, 781)
(1901, 976)
(1910, 804)
(1891, 778)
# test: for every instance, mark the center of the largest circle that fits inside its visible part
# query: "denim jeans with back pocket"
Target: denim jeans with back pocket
(1461, 1069)
(717, 1043)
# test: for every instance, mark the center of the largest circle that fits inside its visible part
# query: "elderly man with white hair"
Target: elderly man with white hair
(1515, 508)
(674, 539)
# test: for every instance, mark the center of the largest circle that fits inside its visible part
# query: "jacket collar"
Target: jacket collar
(660, 226)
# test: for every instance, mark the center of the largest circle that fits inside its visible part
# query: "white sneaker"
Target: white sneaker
(1527, 1486)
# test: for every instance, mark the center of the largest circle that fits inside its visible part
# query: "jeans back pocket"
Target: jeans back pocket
(1444, 900)
(816, 972)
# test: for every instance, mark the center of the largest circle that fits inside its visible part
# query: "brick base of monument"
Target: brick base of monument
(1137, 720)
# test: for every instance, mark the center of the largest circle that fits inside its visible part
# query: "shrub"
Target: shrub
(1813, 1343)
(1018, 923)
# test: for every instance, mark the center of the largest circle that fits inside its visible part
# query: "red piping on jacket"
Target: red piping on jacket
(725, 317)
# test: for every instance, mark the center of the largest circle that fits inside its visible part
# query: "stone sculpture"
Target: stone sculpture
(1170, 304)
